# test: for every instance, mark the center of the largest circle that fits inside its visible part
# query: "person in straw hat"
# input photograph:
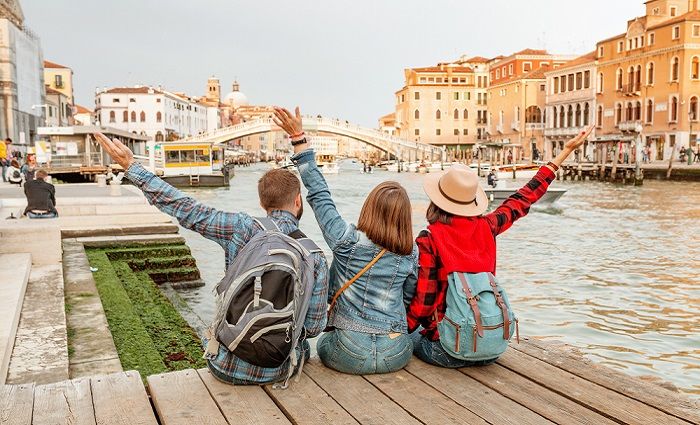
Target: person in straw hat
(461, 238)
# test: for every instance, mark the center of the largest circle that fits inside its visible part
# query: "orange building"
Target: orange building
(516, 96)
(649, 84)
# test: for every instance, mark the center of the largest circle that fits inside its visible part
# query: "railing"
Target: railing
(561, 132)
(632, 126)
(499, 128)
(534, 126)
(515, 125)
(482, 121)
(631, 89)
(81, 160)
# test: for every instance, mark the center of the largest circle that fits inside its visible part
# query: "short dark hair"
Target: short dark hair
(278, 188)
(41, 174)
(436, 214)
(8, 140)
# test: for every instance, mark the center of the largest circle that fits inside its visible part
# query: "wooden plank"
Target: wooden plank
(535, 397)
(304, 402)
(423, 401)
(66, 402)
(181, 398)
(16, 404)
(121, 399)
(663, 399)
(604, 401)
(474, 396)
(357, 396)
(242, 404)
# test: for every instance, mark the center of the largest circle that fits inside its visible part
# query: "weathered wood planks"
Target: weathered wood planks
(16, 404)
(121, 399)
(66, 402)
(181, 398)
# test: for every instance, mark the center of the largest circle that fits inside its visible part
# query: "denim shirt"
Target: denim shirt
(375, 303)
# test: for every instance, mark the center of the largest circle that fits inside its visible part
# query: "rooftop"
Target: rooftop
(136, 90)
(587, 58)
(82, 110)
(443, 69)
(48, 64)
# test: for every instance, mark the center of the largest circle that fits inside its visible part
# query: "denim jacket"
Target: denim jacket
(375, 303)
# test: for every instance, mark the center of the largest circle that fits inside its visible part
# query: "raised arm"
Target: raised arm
(333, 226)
(518, 205)
(216, 225)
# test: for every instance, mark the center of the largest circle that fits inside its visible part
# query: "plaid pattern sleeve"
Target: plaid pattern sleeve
(430, 290)
(218, 226)
(519, 203)
(317, 315)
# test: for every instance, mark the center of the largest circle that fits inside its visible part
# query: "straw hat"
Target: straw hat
(457, 191)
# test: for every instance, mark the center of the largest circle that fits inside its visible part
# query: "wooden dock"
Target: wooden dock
(532, 383)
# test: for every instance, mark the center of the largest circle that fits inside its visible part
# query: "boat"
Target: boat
(501, 192)
(184, 164)
(522, 171)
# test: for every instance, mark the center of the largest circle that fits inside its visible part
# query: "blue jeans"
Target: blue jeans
(432, 352)
(46, 215)
(360, 353)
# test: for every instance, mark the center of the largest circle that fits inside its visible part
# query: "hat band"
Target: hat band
(451, 199)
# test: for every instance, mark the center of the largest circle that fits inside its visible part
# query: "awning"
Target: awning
(608, 138)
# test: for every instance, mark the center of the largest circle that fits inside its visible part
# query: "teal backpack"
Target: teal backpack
(478, 322)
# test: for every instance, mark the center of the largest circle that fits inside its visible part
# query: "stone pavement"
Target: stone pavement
(15, 273)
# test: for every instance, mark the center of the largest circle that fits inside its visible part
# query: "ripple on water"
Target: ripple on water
(613, 270)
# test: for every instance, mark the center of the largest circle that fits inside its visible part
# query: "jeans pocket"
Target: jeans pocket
(344, 359)
(399, 358)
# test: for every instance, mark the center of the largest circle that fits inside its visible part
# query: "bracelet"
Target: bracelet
(297, 135)
(299, 142)
(553, 166)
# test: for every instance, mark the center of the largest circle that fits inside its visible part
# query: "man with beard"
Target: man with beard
(280, 196)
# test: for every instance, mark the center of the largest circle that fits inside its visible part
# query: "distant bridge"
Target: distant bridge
(399, 148)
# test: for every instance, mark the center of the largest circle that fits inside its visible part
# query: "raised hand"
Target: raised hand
(577, 141)
(291, 124)
(116, 149)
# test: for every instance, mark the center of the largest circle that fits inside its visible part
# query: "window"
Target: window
(695, 68)
(579, 80)
(587, 79)
(676, 32)
(675, 69)
(498, 74)
(638, 111)
(599, 118)
(455, 80)
(527, 66)
(696, 30)
(543, 87)
(132, 100)
(652, 39)
(125, 116)
(556, 85)
(693, 111)
(456, 114)
(586, 114)
(618, 113)
(416, 132)
(562, 117)
(578, 116)
(143, 116)
(629, 111)
(437, 132)
(456, 132)
(618, 80)
(570, 82)
(650, 110)
(650, 73)
(467, 96)
(465, 132)
(403, 98)
(456, 95)
(601, 51)
(416, 114)
(620, 46)
(58, 81)
(600, 82)
(133, 116)
(638, 78)
(570, 116)
(438, 114)
(465, 114)
(422, 80)
(510, 69)
(674, 109)
(159, 117)
(674, 10)
(416, 95)
(112, 116)
(438, 96)
(533, 114)
(563, 84)
(115, 100)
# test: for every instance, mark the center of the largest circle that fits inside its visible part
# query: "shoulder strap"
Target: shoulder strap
(267, 224)
(354, 278)
(502, 305)
(304, 241)
(472, 303)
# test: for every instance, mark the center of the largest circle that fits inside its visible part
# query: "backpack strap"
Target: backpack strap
(304, 241)
(354, 278)
(267, 224)
(502, 305)
(472, 303)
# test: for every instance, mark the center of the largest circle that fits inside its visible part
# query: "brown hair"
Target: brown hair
(278, 189)
(436, 214)
(41, 174)
(386, 218)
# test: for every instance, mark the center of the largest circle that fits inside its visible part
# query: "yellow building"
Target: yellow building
(59, 78)
(437, 105)
(649, 83)
(516, 96)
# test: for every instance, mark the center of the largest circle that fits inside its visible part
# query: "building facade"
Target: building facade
(59, 109)
(153, 112)
(570, 105)
(59, 78)
(437, 106)
(516, 96)
(649, 83)
(22, 92)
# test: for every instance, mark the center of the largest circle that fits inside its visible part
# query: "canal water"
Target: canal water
(612, 270)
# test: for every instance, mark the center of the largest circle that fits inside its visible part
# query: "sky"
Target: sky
(341, 59)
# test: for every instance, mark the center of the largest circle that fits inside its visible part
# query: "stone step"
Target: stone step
(130, 240)
(40, 353)
(159, 263)
(15, 274)
(104, 210)
(134, 253)
(180, 274)
(119, 230)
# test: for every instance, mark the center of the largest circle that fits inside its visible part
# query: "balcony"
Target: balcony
(631, 89)
(563, 132)
(515, 125)
(631, 126)
(481, 121)
(534, 126)
(499, 128)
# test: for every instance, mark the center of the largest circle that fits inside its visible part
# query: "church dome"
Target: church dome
(236, 98)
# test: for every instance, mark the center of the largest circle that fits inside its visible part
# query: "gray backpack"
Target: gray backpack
(263, 299)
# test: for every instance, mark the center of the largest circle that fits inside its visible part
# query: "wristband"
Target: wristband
(299, 142)
(297, 135)
(553, 166)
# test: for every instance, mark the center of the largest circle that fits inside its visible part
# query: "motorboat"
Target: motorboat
(517, 171)
(501, 192)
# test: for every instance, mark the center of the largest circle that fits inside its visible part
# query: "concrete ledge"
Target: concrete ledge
(154, 229)
(15, 271)
(40, 238)
(112, 241)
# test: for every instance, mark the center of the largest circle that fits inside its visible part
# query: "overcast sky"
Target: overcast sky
(336, 58)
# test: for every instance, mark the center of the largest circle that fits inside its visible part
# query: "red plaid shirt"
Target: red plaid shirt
(427, 307)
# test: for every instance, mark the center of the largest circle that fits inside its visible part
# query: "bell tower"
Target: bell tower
(213, 89)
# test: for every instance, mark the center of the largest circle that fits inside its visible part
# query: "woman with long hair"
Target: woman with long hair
(461, 239)
(373, 273)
